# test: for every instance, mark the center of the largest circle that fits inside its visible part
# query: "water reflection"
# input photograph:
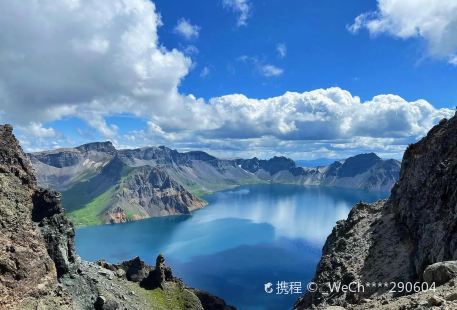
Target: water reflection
(294, 211)
(242, 239)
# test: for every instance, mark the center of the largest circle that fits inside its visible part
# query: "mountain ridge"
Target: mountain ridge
(89, 192)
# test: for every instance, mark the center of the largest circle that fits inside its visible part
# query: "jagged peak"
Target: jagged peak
(12, 157)
(281, 159)
(358, 164)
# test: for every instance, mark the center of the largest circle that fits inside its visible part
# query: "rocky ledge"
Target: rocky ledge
(410, 237)
(39, 268)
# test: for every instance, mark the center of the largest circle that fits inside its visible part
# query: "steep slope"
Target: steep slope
(403, 239)
(39, 268)
(26, 269)
(150, 192)
(425, 198)
(197, 171)
(119, 193)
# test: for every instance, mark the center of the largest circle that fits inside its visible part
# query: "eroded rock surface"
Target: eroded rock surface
(27, 272)
(395, 240)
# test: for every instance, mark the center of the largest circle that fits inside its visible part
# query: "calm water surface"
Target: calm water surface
(244, 238)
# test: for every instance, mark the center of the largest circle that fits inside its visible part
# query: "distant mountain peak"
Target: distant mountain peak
(106, 147)
(366, 156)
(200, 155)
(358, 163)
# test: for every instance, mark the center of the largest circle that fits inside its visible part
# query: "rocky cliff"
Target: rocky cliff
(118, 193)
(39, 268)
(149, 192)
(407, 238)
(27, 272)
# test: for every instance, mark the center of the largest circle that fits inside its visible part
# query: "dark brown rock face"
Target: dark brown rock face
(211, 302)
(27, 271)
(149, 192)
(370, 246)
(425, 198)
(395, 240)
(58, 232)
(158, 276)
(135, 270)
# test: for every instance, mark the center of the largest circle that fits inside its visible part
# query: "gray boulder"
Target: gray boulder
(440, 273)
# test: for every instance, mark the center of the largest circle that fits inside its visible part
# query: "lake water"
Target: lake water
(244, 238)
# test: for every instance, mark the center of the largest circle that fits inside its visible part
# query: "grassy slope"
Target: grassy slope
(85, 205)
(80, 194)
(90, 213)
(86, 200)
(172, 297)
(84, 212)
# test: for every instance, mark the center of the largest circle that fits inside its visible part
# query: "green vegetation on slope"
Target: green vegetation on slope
(172, 297)
(90, 213)
(79, 195)
(86, 201)
(197, 190)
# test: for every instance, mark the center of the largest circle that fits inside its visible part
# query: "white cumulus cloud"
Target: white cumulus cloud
(322, 114)
(84, 58)
(187, 30)
(37, 130)
(433, 21)
(320, 121)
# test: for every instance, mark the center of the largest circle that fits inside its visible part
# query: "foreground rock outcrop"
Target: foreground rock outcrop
(39, 268)
(26, 269)
(406, 238)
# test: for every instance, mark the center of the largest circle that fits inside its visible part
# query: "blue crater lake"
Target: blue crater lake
(244, 238)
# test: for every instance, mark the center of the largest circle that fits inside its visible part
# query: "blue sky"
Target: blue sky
(321, 52)
(301, 78)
